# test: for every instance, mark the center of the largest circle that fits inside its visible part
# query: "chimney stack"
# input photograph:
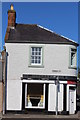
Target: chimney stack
(11, 17)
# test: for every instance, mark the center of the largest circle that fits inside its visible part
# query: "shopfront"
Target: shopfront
(35, 95)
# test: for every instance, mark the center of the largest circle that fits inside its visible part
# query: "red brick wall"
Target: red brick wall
(1, 96)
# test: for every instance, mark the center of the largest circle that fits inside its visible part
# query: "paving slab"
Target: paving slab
(40, 119)
(78, 114)
(39, 116)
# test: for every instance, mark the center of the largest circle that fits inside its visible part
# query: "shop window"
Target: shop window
(34, 97)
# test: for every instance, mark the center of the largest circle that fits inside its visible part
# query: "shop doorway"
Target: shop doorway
(71, 100)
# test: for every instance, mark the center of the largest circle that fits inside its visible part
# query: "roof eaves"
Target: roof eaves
(70, 40)
(39, 42)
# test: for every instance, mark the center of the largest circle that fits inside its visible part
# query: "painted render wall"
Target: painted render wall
(52, 98)
(55, 57)
(14, 95)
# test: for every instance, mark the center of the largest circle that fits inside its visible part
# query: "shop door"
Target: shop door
(71, 94)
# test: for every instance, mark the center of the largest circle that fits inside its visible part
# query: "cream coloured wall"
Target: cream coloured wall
(14, 95)
(55, 60)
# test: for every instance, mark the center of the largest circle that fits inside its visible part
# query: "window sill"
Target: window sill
(36, 66)
(72, 67)
(34, 107)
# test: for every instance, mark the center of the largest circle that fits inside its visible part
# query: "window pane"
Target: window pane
(39, 57)
(32, 61)
(71, 60)
(39, 53)
(35, 61)
(32, 53)
(73, 57)
(36, 49)
(39, 49)
(32, 48)
(39, 61)
(32, 57)
(36, 55)
(73, 50)
(35, 58)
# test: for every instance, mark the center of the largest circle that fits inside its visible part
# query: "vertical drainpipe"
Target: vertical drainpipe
(57, 84)
(4, 82)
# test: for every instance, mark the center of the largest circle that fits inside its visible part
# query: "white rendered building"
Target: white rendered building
(40, 65)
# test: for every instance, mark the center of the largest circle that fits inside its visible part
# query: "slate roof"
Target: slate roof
(33, 33)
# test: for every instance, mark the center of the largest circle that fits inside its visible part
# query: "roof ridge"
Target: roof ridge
(26, 24)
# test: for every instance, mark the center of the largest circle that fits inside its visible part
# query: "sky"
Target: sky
(60, 17)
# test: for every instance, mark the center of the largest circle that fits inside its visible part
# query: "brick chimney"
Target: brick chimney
(11, 17)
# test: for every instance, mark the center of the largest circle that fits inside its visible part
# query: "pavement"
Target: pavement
(39, 116)
(40, 119)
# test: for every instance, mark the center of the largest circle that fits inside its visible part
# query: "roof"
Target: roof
(33, 33)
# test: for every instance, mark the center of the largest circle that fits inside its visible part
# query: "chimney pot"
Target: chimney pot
(12, 7)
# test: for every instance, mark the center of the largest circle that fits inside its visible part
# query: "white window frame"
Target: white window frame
(75, 57)
(38, 107)
(30, 55)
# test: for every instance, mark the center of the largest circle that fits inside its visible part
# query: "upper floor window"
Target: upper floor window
(36, 55)
(73, 59)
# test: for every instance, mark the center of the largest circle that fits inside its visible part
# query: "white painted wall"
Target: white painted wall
(52, 98)
(60, 98)
(56, 57)
(14, 95)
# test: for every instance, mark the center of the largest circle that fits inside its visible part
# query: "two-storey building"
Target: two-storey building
(41, 68)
